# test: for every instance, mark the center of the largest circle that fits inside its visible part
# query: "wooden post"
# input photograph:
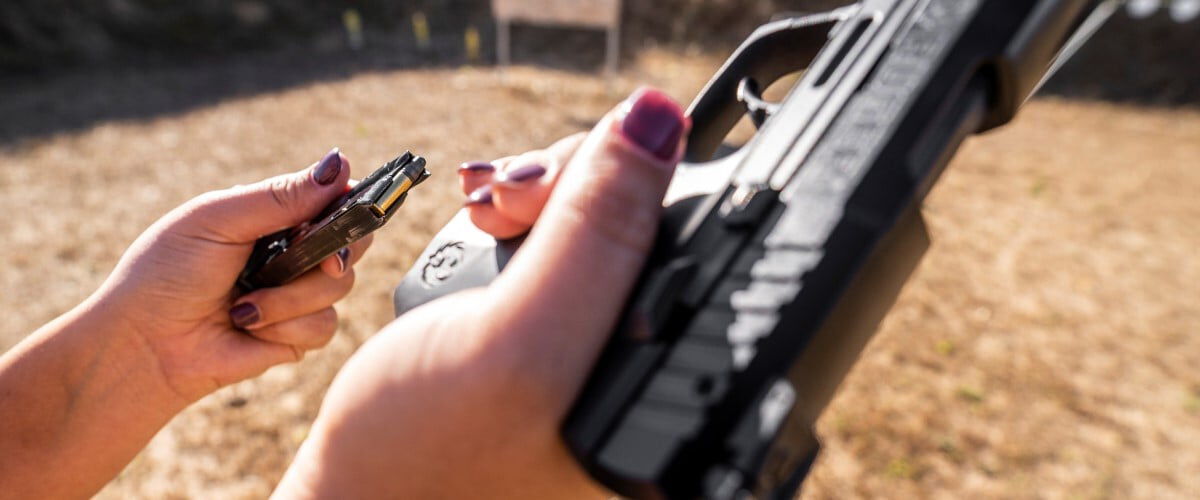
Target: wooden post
(471, 44)
(612, 52)
(503, 55)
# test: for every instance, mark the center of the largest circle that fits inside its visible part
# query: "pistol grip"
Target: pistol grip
(460, 257)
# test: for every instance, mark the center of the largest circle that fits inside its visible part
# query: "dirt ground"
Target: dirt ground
(1047, 347)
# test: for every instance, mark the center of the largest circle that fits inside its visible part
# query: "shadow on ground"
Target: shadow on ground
(72, 99)
(1149, 62)
(1140, 62)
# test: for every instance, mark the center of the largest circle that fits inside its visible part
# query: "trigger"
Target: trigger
(757, 108)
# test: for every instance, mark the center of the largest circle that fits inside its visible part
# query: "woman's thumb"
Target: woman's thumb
(571, 277)
(243, 214)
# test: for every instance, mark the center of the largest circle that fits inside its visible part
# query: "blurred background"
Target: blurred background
(1046, 348)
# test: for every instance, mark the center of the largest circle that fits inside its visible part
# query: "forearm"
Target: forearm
(78, 399)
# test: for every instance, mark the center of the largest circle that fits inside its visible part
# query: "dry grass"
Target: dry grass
(1047, 346)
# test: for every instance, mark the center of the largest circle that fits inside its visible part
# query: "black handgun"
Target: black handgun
(282, 256)
(775, 264)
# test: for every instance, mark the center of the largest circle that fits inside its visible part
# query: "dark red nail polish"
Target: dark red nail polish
(343, 259)
(476, 167)
(655, 122)
(328, 168)
(481, 196)
(244, 315)
(521, 174)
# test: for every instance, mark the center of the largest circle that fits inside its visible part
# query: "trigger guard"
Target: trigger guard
(772, 51)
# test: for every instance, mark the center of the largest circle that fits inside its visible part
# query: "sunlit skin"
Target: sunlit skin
(87, 391)
(462, 397)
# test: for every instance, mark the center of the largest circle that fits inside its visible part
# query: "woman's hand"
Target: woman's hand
(175, 286)
(82, 395)
(464, 397)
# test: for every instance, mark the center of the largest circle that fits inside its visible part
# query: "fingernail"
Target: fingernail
(343, 259)
(476, 167)
(329, 168)
(244, 315)
(522, 174)
(481, 196)
(653, 121)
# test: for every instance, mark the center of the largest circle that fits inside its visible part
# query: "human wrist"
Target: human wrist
(119, 353)
(151, 337)
(80, 392)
